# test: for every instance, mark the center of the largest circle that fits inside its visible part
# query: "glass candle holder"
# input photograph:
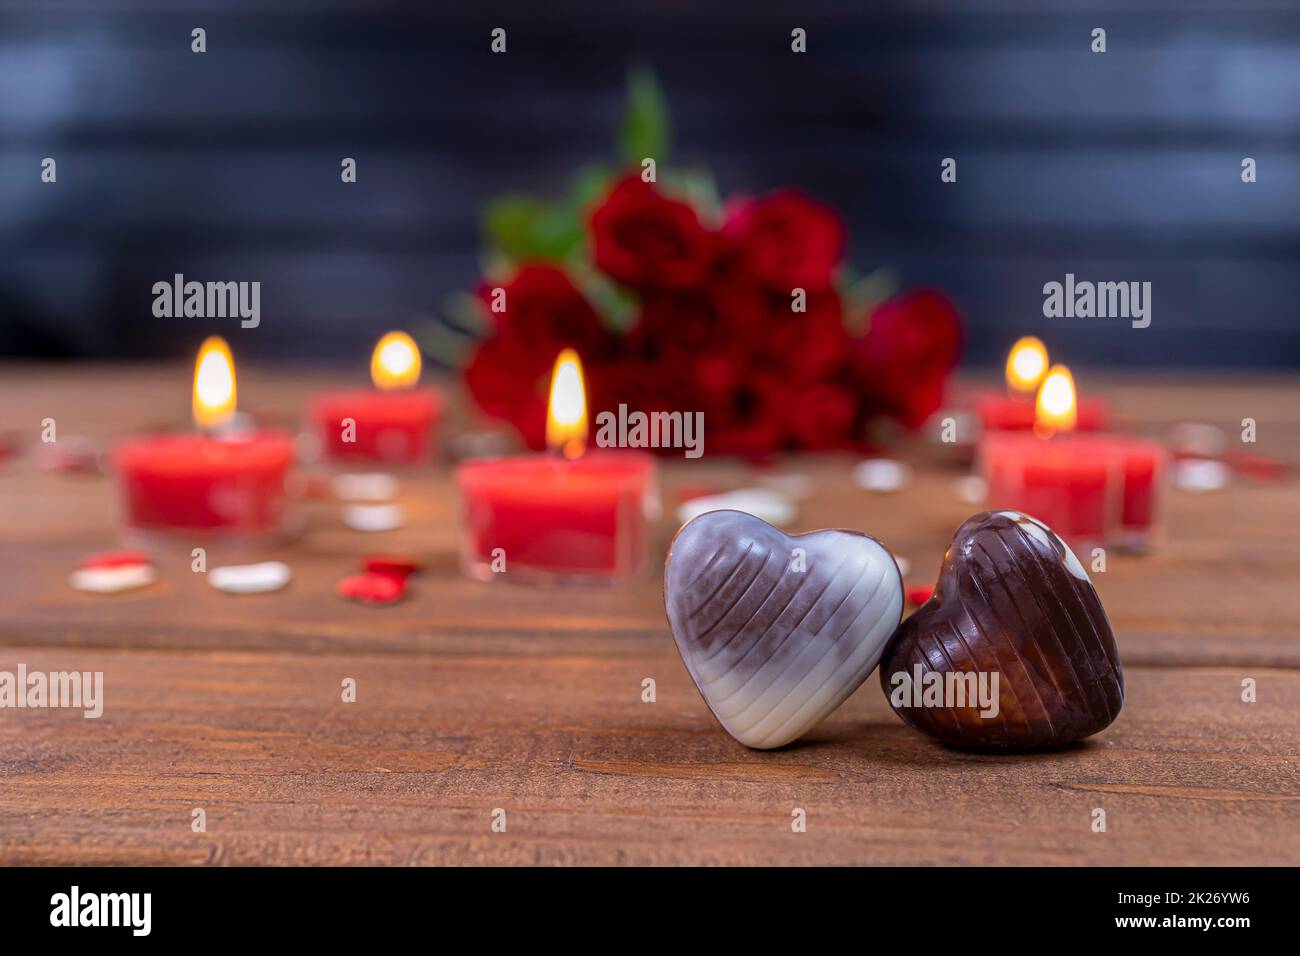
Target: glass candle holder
(1143, 467)
(1008, 413)
(1093, 489)
(1063, 482)
(368, 425)
(203, 486)
(543, 519)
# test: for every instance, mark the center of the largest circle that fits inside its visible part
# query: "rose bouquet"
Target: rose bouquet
(676, 301)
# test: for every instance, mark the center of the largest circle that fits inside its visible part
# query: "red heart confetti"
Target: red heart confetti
(1259, 467)
(919, 594)
(312, 488)
(114, 559)
(390, 565)
(372, 588)
(74, 455)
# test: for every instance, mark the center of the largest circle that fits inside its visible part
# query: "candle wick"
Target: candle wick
(571, 450)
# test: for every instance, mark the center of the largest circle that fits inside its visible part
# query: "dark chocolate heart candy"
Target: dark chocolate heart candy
(775, 629)
(1014, 621)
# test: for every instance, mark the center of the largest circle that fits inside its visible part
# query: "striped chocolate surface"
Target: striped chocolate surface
(1012, 598)
(777, 630)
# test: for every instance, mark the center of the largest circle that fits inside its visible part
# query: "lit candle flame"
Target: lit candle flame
(1056, 409)
(214, 384)
(1026, 365)
(566, 417)
(395, 362)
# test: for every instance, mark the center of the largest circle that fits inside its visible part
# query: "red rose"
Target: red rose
(766, 378)
(748, 425)
(698, 350)
(647, 241)
(756, 440)
(639, 384)
(911, 344)
(509, 375)
(813, 416)
(545, 312)
(786, 241)
(810, 345)
(823, 417)
(511, 384)
(706, 335)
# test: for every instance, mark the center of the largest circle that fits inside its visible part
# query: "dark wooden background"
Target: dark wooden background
(1123, 166)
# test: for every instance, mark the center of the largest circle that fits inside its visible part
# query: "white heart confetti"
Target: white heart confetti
(772, 506)
(1197, 438)
(972, 489)
(880, 474)
(793, 483)
(109, 580)
(1200, 474)
(373, 517)
(370, 486)
(250, 578)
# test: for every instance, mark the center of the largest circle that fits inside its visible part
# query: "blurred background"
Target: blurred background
(225, 166)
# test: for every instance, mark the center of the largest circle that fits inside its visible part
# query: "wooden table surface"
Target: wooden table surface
(473, 696)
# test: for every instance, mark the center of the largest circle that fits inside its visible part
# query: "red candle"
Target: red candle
(196, 482)
(370, 425)
(1143, 465)
(1059, 481)
(392, 422)
(1095, 489)
(568, 516)
(561, 518)
(1010, 413)
(1026, 366)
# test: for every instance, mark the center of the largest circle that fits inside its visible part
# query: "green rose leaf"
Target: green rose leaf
(522, 227)
(645, 130)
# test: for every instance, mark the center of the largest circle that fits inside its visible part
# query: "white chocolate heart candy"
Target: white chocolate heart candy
(777, 630)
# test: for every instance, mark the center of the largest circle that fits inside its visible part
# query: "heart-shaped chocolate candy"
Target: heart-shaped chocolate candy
(775, 629)
(1013, 650)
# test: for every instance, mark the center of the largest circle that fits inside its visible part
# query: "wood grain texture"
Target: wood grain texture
(473, 697)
